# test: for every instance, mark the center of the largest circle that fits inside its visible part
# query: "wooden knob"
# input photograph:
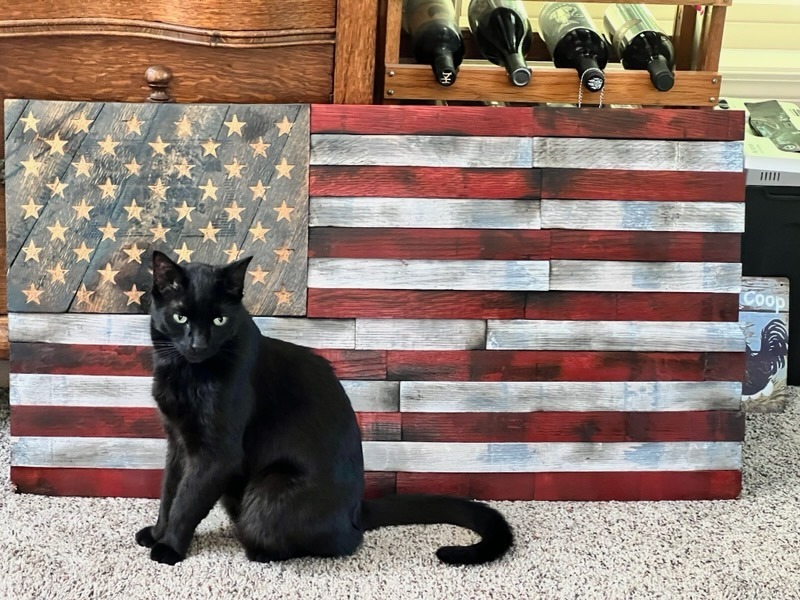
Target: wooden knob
(158, 78)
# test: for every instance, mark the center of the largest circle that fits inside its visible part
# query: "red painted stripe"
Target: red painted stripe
(717, 426)
(414, 304)
(532, 365)
(68, 359)
(590, 184)
(423, 182)
(645, 245)
(127, 422)
(642, 123)
(130, 483)
(632, 306)
(422, 120)
(474, 244)
(602, 486)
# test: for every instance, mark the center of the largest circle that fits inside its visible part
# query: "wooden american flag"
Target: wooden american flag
(522, 303)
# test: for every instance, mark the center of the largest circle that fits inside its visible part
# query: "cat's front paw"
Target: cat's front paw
(146, 537)
(165, 554)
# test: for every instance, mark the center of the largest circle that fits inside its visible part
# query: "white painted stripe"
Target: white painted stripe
(637, 155)
(425, 213)
(117, 391)
(396, 274)
(633, 215)
(420, 334)
(134, 330)
(636, 336)
(421, 150)
(433, 457)
(568, 396)
(632, 276)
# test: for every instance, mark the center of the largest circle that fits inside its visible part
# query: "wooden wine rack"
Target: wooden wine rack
(697, 77)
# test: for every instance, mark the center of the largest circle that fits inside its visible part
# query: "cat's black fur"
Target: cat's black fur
(265, 426)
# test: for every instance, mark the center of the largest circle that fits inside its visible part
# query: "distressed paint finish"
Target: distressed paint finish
(147, 453)
(134, 330)
(421, 151)
(630, 276)
(419, 334)
(633, 215)
(637, 155)
(394, 274)
(634, 336)
(133, 178)
(621, 184)
(440, 213)
(567, 396)
(121, 391)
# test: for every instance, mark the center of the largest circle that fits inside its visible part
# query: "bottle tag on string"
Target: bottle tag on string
(580, 91)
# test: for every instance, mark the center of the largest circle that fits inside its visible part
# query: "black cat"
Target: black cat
(265, 426)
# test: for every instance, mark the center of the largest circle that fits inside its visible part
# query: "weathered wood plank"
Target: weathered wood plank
(637, 155)
(450, 244)
(426, 182)
(134, 330)
(532, 365)
(444, 457)
(605, 486)
(401, 334)
(138, 422)
(14, 109)
(625, 276)
(442, 213)
(605, 427)
(631, 306)
(644, 245)
(540, 457)
(421, 151)
(382, 273)
(631, 215)
(121, 391)
(632, 336)
(131, 483)
(691, 485)
(66, 359)
(414, 304)
(642, 123)
(568, 396)
(422, 120)
(589, 184)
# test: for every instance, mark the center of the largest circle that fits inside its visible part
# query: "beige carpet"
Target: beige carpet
(64, 548)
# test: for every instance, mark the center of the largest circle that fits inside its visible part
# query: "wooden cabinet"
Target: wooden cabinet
(249, 51)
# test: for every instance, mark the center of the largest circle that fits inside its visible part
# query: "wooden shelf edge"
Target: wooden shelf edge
(489, 83)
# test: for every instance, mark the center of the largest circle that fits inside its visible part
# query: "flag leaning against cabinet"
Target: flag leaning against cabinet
(521, 303)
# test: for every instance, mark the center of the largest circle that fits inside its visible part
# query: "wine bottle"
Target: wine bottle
(503, 33)
(573, 41)
(435, 36)
(640, 43)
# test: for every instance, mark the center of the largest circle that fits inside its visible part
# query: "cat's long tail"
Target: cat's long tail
(496, 536)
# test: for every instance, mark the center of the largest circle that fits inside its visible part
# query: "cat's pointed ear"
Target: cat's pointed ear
(233, 276)
(167, 275)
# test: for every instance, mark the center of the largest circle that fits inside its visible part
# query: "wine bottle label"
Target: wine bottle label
(557, 19)
(623, 22)
(418, 12)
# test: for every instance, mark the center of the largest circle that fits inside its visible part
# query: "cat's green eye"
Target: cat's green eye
(180, 319)
(220, 321)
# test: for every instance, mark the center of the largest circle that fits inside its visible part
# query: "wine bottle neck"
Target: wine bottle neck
(517, 69)
(660, 74)
(444, 67)
(592, 77)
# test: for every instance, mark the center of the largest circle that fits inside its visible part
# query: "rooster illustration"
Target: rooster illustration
(767, 360)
